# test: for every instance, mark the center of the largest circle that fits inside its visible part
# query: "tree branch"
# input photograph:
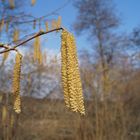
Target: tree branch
(38, 18)
(27, 40)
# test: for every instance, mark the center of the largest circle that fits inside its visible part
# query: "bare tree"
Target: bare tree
(98, 18)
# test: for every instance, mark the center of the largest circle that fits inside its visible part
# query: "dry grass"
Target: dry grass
(50, 120)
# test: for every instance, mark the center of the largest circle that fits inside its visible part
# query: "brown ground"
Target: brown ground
(51, 120)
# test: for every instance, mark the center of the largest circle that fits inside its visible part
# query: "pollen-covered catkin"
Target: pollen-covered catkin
(64, 68)
(5, 56)
(37, 51)
(56, 23)
(78, 85)
(16, 83)
(71, 81)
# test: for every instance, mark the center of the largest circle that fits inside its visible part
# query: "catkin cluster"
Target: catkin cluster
(56, 23)
(71, 81)
(16, 83)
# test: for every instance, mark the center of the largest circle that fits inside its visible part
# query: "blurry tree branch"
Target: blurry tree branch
(40, 33)
(53, 12)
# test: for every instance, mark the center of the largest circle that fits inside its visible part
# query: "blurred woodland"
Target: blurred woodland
(110, 75)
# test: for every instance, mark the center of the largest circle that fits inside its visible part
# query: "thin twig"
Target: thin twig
(42, 17)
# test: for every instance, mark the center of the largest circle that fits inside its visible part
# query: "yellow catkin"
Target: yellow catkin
(5, 56)
(12, 4)
(71, 74)
(59, 22)
(36, 48)
(47, 27)
(56, 23)
(37, 51)
(33, 2)
(16, 35)
(16, 83)
(64, 69)
(53, 24)
(71, 81)
(78, 85)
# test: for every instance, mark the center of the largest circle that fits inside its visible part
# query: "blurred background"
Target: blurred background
(107, 35)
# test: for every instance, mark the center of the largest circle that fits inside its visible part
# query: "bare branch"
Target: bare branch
(54, 12)
(27, 40)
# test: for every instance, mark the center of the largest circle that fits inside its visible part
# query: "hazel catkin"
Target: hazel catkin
(37, 51)
(71, 81)
(16, 83)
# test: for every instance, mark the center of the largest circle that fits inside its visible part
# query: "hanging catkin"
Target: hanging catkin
(64, 68)
(38, 56)
(47, 26)
(56, 23)
(78, 85)
(5, 56)
(59, 22)
(16, 83)
(71, 81)
(53, 24)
